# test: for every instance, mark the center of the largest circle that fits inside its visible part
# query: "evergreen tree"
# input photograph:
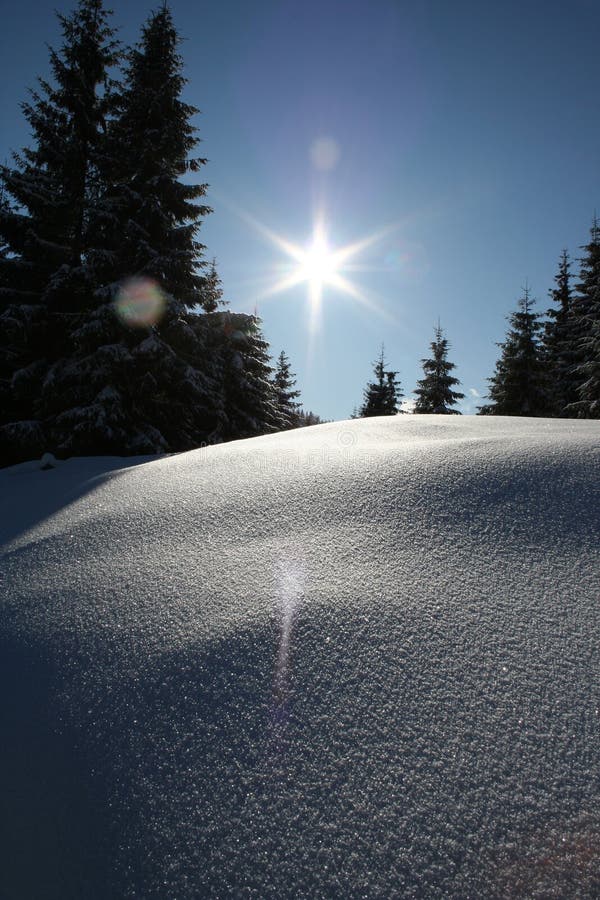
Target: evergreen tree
(434, 391)
(556, 353)
(584, 336)
(284, 381)
(102, 349)
(381, 396)
(45, 218)
(55, 183)
(142, 381)
(248, 398)
(212, 293)
(150, 217)
(308, 417)
(517, 386)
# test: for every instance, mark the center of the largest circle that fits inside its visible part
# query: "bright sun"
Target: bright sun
(318, 265)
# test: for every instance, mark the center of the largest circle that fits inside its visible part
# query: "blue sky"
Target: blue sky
(468, 132)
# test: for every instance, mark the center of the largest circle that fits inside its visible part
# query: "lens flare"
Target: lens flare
(140, 303)
(325, 153)
(319, 265)
(292, 577)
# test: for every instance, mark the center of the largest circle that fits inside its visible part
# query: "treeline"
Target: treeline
(434, 392)
(549, 364)
(114, 337)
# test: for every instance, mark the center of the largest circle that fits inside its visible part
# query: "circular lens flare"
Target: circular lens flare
(140, 302)
(325, 153)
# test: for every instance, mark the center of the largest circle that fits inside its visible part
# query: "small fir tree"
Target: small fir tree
(308, 417)
(248, 399)
(435, 392)
(381, 396)
(212, 293)
(517, 387)
(284, 381)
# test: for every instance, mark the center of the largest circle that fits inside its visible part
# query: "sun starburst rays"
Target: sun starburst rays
(320, 266)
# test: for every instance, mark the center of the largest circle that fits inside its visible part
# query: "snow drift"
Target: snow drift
(355, 660)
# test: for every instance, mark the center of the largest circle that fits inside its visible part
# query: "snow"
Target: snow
(353, 660)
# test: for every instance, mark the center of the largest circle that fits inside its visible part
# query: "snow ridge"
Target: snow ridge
(354, 660)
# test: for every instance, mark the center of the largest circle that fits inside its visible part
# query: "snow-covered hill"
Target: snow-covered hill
(356, 660)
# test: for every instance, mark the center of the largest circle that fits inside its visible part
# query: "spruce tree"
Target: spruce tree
(284, 381)
(435, 392)
(517, 387)
(137, 377)
(49, 194)
(150, 216)
(381, 396)
(56, 182)
(308, 417)
(109, 339)
(556, 352)
(212, 293)
(248, 404)
(584, 337)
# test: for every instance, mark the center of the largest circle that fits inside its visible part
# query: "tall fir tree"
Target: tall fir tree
(140, 380)
(556, 352)
(517, 387)
(584, 336)
(381, 396)
(284, 382)
(50, 192)
(102, 348)
(163, 381)
(150, 214)
(55, 183)
(435, 392)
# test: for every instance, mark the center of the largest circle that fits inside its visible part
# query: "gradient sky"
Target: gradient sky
(469, 132)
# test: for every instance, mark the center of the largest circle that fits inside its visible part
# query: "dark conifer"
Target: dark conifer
(585, 333)
(435, 392)
(556, 352)
(49, 194)
(308, 417)
(102, 349)
(150, 216)
(248, 399)
(55, 183)
(212, 293)
(517, 386)
(284, 381)
(136, 377)
(381, 396)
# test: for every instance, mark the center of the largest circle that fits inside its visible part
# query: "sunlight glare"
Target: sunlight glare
(318, 265)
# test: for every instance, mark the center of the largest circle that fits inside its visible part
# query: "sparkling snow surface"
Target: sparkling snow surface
(355, 660)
